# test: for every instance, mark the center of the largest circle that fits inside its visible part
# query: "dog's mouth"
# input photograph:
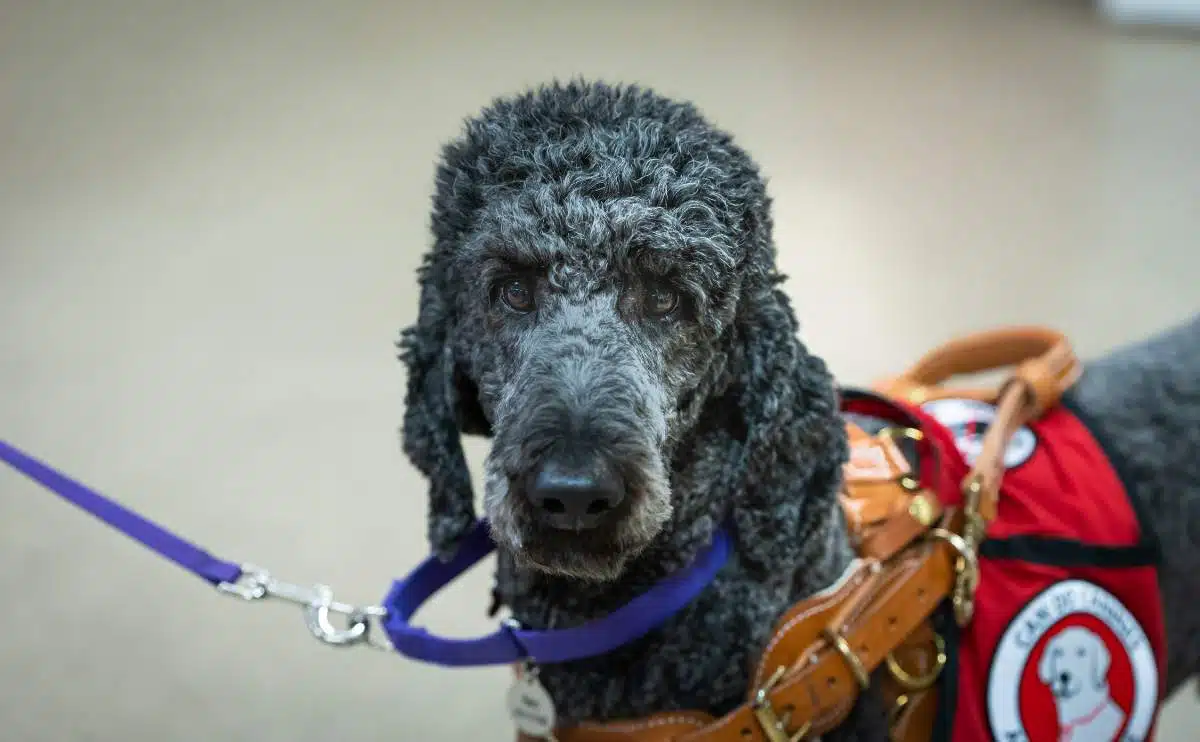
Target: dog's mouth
(1064, 687)
(591, 541)
(584, 524)
(597, 555)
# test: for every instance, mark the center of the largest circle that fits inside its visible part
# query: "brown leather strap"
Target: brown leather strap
(885, 507)
(1045, 364)
(899, 531)
(794, 633)
(658, 728)
(822, 650)
(824, 682)
(1045, 367)
(1047, 376)
(917, 714)
(982, 485)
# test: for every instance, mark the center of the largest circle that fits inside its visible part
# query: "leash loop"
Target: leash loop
(256, 583)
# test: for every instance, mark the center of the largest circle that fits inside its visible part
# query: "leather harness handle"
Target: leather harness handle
(1045, 367)
(1014, 409)
(1045, 364)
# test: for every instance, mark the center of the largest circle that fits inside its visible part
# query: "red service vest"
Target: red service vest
(1067, 641)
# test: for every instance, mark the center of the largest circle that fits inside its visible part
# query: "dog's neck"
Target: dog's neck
(703, 657)
(1081, 710)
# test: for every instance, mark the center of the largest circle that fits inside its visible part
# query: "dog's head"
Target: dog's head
(601, 284)
(1074, 661)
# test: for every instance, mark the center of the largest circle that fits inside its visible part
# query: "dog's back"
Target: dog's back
(1143, 401)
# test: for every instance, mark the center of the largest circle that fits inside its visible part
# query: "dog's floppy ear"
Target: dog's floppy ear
(1100, 660)
(1046, 665)
(783, 476)
(440, 403)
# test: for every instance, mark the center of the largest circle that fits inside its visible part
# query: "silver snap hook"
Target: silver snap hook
(317, 616)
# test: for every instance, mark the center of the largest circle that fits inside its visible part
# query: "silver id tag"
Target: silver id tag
(530, 706)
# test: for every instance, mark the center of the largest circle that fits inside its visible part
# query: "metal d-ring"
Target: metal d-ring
(966, 574)
(857, 669)
(967, 564)
(913, 683)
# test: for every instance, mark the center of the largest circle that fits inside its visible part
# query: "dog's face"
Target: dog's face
(601, 288)
(591, 323)
(1075, 662)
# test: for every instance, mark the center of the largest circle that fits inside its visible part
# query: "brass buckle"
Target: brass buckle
(903, 430)
(907, 482)
(843, 647)
(913, 683)
(965, 581)
(774, 725)
(966, 575)
(974, 527)
(922, 510)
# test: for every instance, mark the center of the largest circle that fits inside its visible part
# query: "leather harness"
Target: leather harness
(914, 553)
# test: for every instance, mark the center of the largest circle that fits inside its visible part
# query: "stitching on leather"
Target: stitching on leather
(634, 726)
(887, 588)
(885, 594)
(836, 588)
(779, 636)
(787, 686)
(722, 723)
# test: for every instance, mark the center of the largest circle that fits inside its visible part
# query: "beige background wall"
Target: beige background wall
(210, 214)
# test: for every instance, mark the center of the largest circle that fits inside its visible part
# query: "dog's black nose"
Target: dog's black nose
(574, 492)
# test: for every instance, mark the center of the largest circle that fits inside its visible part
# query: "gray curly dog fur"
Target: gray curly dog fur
(595, 201)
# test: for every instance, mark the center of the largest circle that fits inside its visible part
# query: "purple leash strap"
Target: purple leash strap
(239, 580)
(510, 644)
(185, 554)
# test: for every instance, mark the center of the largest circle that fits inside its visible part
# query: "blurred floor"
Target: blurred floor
(210, 215)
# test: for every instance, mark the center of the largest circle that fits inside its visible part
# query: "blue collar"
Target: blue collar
(513, 644)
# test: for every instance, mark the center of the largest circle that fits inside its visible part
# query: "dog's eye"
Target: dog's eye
(517, 294)
(661, 301)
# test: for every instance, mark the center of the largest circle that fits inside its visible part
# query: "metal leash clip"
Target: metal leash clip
(967, 571)
(256, 583)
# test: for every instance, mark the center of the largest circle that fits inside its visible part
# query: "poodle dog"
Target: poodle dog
(601, 301)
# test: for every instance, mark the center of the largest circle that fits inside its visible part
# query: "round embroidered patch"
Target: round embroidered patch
(968, 420)
(1073, 666)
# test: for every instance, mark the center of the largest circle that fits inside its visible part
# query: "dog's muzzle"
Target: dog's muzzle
(573, 490)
